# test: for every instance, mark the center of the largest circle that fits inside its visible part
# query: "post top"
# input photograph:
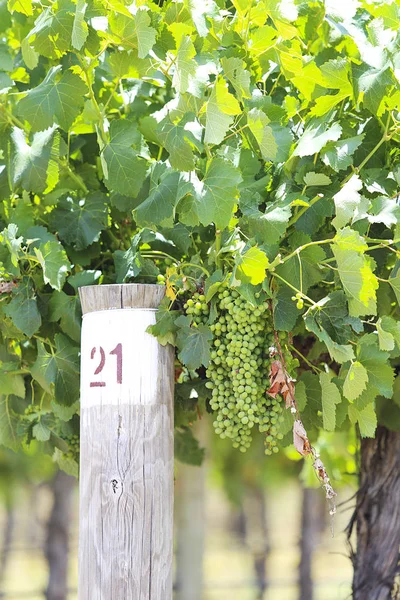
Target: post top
(123, 295)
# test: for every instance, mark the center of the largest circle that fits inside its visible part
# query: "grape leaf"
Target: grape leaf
(66, 388)
(330, 396)
(123, 168)
(193, 344)
(346, 201)
(235, 71)
(34, 166)
(338, 155)
(356, 381)
(388, 333)
(186, 448)
(23, 309)
(251, 266)
(366, 419)
(80, 223)
(221, 108)
(216, 194)
(159, 207)
(358, 280)
(315, 137)
(258, 125)
(53, 101)
(375, 361)
(55, 263)
(22, 6)
(185, 66)
(67, 310)
(134, 31)
(44, 368)
(318, 179)
(80, 29)
(175, 139)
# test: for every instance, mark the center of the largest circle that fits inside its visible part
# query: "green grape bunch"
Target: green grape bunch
(239, 369)
(73, 447)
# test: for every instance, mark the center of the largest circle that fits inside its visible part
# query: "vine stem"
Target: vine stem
(217, 248)
(314, 304)
(301, 248)
(301, 212)
(313, 367)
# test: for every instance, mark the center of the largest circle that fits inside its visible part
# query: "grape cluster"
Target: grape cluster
(197, 308)
(73, 446)
(238, 372)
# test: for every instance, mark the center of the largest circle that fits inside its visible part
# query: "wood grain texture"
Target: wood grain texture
(126, 475)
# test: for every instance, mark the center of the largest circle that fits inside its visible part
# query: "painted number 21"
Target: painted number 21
(116, 352)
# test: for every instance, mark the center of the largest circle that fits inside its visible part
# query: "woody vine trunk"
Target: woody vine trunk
(377, 518)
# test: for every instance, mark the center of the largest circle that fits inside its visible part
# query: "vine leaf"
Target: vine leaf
(23, 309)
(193, 343)
(79, 223)
(55, 263)
(356, 381)
(124, 170)
(80, 29)
(221, 108)
(53, 101)
(217, 194)
(330, 396)
(366, 419)
(251, 266)
(185, 66)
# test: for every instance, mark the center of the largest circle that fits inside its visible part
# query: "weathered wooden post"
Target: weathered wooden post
(126, 472)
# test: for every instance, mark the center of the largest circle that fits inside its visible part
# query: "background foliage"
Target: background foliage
(195, 143)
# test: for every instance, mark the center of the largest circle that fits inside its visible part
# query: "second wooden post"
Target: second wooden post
(126, 468)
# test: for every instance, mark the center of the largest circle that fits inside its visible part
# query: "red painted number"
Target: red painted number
(116, 352)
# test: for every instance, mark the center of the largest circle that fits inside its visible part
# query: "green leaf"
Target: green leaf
(52, 32)
(358, 280)
(339, 155)
(193, 344)
(80, 29)
(356, 381)
(339, 352)
(23, 309)
(79, 223)
(164, 328)
(395, 284)
(374, 83)
(252, 266)
(187, 449)
(303, 270)
(41, 432)
(53, 101)
(386, 339)
(285, 311)
(315, 137)
(258, 125)
(35, 166)
(44, 369)
(316, 179)
(175, 139)
(330, 397)
(67, 310)
(269, 226)
(13, 243)
(9, 420)
(380, 373)
(217, 194)
(67, 375)
(124, 170)
(185, 66)
(55, 263)
(11, 383)
(238, 77)
(346, 202)
(22, 6)
(336, 74)
(388, 333)
(159, 208)
(221, 108)
(365, 418)
(134, 31)
(66, 464)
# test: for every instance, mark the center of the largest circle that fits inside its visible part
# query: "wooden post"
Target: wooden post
(126, 465)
